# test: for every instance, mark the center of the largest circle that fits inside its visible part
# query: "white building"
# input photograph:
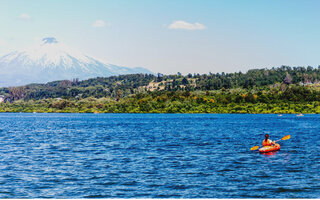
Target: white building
(2, 98)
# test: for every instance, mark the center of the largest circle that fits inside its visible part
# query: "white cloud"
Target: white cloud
(24, 17)
(99, 23)
(186, 26)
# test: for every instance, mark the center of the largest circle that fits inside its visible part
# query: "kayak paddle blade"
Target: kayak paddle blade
(254, 148)
(287, 137)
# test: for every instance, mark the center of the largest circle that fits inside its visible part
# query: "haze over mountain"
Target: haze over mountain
(52, 60)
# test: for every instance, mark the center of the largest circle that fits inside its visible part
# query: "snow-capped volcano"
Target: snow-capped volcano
(52, 60)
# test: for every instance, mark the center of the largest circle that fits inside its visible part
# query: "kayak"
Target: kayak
(267, 149)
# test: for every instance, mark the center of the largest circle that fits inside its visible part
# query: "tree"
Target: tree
(283, 87)
(159, 77)
(64, 83)
(16, 93)
(118, 95)
(288, 79)
(249, 83)
(184, 81)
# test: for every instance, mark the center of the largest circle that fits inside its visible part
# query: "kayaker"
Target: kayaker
(267, 141)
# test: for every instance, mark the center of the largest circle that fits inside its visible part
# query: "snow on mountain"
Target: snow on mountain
(52, 60)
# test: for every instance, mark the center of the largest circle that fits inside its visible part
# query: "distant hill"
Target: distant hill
(276, 90)
(52, 60)
(132, 84)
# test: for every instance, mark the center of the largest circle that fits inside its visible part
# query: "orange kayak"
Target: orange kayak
(267, 149)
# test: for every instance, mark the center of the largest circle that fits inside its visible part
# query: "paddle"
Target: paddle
(287, 137)
(254, 148)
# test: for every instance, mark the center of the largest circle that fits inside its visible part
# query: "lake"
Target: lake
(157, 156)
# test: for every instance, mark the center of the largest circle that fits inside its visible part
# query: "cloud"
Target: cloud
(186, 26)
(24, 17)
(99, 23)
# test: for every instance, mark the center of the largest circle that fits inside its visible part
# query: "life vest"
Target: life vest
(267, 143)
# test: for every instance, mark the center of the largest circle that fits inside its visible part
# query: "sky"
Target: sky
(170, 36)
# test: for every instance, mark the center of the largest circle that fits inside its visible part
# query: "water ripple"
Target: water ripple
(157, 156)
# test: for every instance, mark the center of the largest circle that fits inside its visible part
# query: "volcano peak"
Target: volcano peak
(49, 40)
(53, 60)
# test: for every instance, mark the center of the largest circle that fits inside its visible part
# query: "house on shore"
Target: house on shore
(2, 98)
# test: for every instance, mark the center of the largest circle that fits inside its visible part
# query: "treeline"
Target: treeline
(114, 86)
(276, 90)
(124, 85)
(240, 101)
(253, 78)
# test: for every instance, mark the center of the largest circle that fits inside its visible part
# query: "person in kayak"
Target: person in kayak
(267, 141)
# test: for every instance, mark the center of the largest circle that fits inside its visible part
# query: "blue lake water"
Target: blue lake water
(157, 156)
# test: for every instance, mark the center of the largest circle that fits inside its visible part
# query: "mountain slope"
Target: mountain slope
(52, 60)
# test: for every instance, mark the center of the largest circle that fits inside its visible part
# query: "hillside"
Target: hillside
(277, 90)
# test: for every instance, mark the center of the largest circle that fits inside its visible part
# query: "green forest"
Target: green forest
(277, 90)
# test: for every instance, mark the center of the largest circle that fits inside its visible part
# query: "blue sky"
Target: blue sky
(170, 36)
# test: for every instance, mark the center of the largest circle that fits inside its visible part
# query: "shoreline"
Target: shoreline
(297, 114)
